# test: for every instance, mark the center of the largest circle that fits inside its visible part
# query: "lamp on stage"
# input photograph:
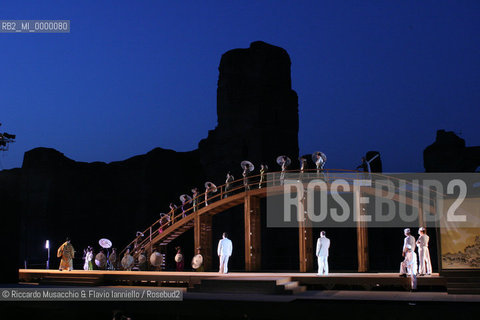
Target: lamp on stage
(47, 246)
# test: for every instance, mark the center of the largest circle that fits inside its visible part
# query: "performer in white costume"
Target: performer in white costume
(225, 248)
(409, 266)
(88, 259)
(323, 244)
(425, 264)
(408, 241)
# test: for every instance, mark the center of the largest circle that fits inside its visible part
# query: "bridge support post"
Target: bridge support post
(362, 235)
(305, 240)
(203, 238)
(253, 253)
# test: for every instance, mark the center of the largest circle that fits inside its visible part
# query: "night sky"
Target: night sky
(135, 75)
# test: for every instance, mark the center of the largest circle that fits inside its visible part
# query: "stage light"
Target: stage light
(47, 246)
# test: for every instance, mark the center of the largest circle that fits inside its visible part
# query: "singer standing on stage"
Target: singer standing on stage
(425, 264)
(323, 244)
(224, 251)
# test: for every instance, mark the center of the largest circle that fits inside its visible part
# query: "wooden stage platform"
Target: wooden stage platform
(254, 282)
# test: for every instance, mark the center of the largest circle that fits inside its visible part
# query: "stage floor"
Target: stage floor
(355, 281)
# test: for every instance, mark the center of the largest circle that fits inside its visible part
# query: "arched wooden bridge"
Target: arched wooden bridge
(199, 216)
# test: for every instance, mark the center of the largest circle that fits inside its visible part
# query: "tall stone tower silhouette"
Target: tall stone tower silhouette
(257, 111)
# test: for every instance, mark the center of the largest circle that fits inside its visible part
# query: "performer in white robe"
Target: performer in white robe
(409, 266)
(224, 251)
(323, 244)
(425, 264)
(88, 259)
(409, 240)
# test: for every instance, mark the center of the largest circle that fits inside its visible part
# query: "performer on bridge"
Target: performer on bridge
(228, 182)
(303, 166)
(284, 162)
(173, 208)
(224, 251)
(364, 165)
(66, 253)
(263, 170)
(425, 265)
(209, 187)
(320, 159)
(247, 167)
(195, 198)
(164, 221)
(185, 199)
(323, 244)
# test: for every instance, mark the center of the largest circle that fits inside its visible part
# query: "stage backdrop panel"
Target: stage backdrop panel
(460, 241)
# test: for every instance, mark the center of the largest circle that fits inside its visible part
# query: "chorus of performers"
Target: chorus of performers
(192, 202)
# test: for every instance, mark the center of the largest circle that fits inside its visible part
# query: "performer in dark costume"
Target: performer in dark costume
(247, 167)
(320, 159)
(228, 182)
(164, 222)
(284, 162)
(303, 166)
(245, 174)
(185, 199)
(173, 208)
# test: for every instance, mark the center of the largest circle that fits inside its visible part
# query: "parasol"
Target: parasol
(244, 163)
(105, 243)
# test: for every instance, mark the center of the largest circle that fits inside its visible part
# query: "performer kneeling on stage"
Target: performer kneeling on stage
(225, 248)
(409, 266)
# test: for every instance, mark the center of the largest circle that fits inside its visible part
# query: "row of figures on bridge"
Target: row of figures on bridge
(319, 158)
(194, 200)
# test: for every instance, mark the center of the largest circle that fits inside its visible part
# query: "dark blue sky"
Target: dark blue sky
(135, 75)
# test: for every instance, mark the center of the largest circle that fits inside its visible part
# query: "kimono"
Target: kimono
(88, 261)
(66, 253)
